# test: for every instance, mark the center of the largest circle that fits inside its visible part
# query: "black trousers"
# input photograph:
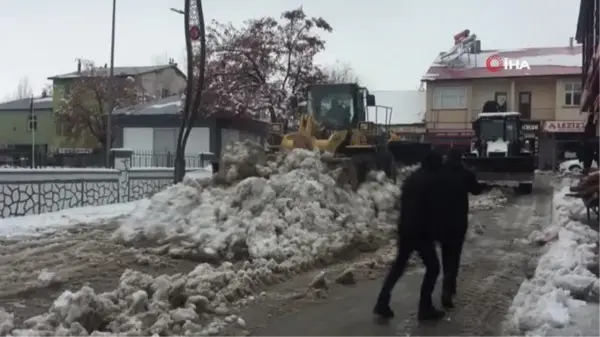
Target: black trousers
(426, 249)
(452, 247)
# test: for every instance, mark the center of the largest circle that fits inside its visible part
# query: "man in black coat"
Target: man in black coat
(417, 228)
(457, 183)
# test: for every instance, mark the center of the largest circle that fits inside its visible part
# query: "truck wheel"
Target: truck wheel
(525, 188)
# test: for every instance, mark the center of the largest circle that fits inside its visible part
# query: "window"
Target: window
(32, 123)
(450, 98)
(164, 93)
(572, 94)
(492, 129)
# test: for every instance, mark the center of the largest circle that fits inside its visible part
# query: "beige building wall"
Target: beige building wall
(547, 100)
(565, 112)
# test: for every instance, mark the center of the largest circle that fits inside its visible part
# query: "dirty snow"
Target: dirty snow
(257, 225)
(553, 301)
(42, 224)
(254, 223)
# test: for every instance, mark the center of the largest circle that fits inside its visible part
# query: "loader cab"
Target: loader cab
(496, 133)
(337, 106)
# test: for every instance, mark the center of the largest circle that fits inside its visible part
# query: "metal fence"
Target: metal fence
(167, 159)
(97, 158)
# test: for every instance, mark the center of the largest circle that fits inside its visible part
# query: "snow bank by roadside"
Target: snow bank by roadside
(298, 213)
(257, 222)
(282, 216)
(41, 224)
(556, 295)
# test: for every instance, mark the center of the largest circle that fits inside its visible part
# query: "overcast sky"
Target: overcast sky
(390, 43)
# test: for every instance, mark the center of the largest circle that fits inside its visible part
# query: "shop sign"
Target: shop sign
(530, 127)
(563, 126)
(64, 150)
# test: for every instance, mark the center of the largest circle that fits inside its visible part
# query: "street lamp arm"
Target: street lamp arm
(178, 11)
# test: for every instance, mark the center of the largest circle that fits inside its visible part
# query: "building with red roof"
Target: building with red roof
(543, 84)
(588, 34)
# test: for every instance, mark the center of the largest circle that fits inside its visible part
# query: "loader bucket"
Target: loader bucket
(514, 168)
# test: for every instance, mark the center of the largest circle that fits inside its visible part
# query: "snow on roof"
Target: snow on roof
(120, 71)
(24, 104)
(164, 106)
(498, 114)
(408, 106)
(546, 61)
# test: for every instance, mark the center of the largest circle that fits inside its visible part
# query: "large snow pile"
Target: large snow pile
(564, 279)
(280, 217)
(299, 212)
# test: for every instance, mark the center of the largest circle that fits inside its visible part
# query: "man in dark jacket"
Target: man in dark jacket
(585, 154)
(416, 232)
(457, 183)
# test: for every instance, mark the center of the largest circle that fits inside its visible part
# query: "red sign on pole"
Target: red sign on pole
(194, 33)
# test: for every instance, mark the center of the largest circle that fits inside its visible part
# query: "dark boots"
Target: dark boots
(427, 312)
(448, 292)
(382, 307)
(447, 302)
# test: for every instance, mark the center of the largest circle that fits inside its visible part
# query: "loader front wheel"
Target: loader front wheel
(525, 188)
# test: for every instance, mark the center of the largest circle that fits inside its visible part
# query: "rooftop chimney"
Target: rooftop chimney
(571, 42)
(79, 66)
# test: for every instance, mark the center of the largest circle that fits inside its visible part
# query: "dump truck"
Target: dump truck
(499, 153)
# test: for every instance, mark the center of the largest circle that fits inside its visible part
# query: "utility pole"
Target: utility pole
(111, 89)
(32, 125)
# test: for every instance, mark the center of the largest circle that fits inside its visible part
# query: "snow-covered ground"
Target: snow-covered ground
(561, 298)
(257, 223)
(41, 224)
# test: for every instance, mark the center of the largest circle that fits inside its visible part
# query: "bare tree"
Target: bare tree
(341, 72)
(23, 89)
(48, 90)
(161, 59)
(83, 110)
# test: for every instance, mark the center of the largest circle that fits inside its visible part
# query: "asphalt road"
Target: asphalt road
(492, 269)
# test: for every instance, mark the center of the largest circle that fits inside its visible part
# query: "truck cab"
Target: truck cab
(498, 134)
(499, 152)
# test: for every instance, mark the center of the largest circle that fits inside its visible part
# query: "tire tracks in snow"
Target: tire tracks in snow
(77, 257)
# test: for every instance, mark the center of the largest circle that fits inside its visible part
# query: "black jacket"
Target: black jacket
(419, 200)
(457, 182)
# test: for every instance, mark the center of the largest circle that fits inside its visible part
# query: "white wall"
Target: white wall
(165, 139)
(138, 139)
(199, 141)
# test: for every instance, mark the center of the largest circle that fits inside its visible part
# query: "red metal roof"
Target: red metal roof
(549, 61)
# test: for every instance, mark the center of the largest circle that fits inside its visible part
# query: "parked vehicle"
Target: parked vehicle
(573, 165)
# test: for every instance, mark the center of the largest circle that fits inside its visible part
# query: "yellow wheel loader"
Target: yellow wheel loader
(332, 119)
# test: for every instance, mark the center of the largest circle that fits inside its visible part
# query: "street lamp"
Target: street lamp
(178, 11)
(111, 91)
